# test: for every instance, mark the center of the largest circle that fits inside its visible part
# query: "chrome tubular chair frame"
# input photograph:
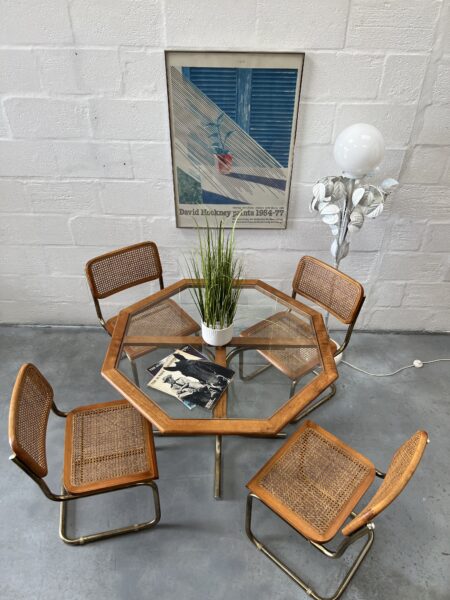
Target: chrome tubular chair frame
(366, 531)
(111, 532)
(254, 373)
(316, 403)
(65, 497)
(294, 382)
(314, 483)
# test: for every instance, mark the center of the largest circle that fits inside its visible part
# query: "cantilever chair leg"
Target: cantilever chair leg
(85, 539)
(366, 531)
(294, 383)
(135, 371)
(218, 462)
(315, 404)
(254, 373)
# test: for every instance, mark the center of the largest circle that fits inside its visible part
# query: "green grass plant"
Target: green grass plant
(215, 262)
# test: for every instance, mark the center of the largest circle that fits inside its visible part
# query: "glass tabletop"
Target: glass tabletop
(270, 330)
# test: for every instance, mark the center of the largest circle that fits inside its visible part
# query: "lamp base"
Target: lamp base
(338, 358)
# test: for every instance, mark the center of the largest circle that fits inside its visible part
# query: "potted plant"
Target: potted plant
(219, 273)
(218, 138)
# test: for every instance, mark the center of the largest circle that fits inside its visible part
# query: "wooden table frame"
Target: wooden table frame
(219, 425)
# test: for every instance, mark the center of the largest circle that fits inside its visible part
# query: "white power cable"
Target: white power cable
(417, 364)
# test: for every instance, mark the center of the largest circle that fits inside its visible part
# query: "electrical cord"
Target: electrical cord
(417, 364)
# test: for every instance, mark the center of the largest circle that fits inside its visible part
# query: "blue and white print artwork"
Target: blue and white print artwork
(233, 121)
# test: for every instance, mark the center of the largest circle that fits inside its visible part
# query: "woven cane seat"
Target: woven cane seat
(165, 318)
(107, 445)
(293, 362)
(313, 482)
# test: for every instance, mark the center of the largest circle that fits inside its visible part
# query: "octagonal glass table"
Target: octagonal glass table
(257, 406)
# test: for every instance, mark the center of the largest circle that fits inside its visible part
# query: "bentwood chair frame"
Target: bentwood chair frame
(337, 293)
(266, 486)
(31, 402)
(120, 270)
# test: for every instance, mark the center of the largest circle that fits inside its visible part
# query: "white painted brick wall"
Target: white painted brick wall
(341, 75)
(324, 28)
(136, 197)
(124, 22)
(39, 118)
(219, 24)
(442, 82)
(129, 119)
(436, 127)
(403, 77)
(80, 71)
(426, 164)
(19, 71)
(85, 153)
(143, 73)
(93, 159)
(37, 22)
(27, 159)
(74, 197)
(395, 121)
(396, 25)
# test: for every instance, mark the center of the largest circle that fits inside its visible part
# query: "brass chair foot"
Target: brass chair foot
(368, 531)
(94, 537)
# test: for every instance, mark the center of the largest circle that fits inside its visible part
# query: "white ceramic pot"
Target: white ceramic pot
(216, 337)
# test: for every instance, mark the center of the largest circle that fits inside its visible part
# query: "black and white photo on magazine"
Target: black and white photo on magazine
(194, 381)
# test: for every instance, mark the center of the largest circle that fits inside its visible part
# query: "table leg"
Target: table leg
(219, 412)
(218, 468)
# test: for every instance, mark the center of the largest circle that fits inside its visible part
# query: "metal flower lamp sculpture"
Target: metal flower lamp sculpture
(344, 201)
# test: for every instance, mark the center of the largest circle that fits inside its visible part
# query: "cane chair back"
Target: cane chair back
(31, 402)
(123, 268)
(334, 291)
(403, 465)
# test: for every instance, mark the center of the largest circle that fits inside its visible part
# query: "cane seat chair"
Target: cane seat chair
(338, 294)
(314, 482)
(108, 447)
(127, 267)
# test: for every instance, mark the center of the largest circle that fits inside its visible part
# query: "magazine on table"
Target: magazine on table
(189, 376)
(192, 352)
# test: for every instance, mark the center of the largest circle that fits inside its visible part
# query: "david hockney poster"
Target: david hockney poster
(233, 119)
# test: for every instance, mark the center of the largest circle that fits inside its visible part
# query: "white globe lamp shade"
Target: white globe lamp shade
(359, 149)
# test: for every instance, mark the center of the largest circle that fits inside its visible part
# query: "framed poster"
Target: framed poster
(233, 118)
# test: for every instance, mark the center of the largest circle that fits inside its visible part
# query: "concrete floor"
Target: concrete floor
(199, 551)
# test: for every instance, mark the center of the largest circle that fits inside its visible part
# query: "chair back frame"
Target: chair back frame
(31, 402)
(21, 457)
(39, 480)
(402, 467)
(359, 297)
(120, 252)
